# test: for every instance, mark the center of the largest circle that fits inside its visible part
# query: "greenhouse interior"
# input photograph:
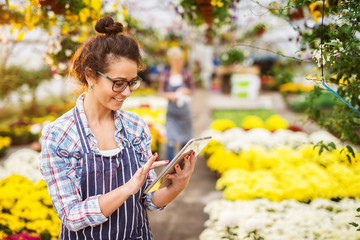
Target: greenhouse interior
(264, 96)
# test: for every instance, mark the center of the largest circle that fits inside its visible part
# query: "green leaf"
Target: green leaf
(351, 150)
(332, 145)
(325, 56)
(354, 224)
(349, 159)
(7, 2)
(332, 43)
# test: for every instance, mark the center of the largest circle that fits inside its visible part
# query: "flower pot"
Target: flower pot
(297, 14)
(53, 4)
(206, 10)
(204, 1)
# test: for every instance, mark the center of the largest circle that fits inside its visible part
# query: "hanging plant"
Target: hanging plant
(7, 15)
(234, 56)
(59, 53)
(214, 13)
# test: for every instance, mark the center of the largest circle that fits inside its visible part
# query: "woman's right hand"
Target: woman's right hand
(139, 178)
(112, 200)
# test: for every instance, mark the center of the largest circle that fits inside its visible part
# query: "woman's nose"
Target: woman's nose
(127, 91)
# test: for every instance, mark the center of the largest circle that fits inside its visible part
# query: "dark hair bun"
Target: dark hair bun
(107, 25)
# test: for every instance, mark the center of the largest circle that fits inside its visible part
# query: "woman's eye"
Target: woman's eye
(119, 84)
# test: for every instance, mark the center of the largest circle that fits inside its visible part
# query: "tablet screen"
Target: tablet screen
(193, 145)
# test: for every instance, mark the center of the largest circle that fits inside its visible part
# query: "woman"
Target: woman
(177, 86)
(96, 159)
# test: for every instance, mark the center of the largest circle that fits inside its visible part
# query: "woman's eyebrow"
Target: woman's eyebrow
(123, 79)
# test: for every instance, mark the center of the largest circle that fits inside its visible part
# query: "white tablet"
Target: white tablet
(193, 145)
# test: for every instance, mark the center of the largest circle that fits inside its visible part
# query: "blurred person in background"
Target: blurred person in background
(96, 159)
(177, 86)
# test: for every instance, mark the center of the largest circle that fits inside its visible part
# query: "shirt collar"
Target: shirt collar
(80, 106)
(118, 124)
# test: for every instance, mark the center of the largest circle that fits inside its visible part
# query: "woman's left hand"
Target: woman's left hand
(181, 178)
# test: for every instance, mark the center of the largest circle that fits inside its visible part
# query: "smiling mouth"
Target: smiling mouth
(119, 99)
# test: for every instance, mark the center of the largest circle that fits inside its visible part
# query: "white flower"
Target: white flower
(237, 140)
(35, 128)
(253, 224)
(23, 162)
(284, 220)
(225, 57)
(68, 52)
(210, 234)
(228, 218)
(62, 66)
(323, 136)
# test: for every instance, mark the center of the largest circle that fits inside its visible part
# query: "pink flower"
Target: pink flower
(22, 236)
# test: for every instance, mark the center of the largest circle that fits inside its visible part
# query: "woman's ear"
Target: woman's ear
(90, 76)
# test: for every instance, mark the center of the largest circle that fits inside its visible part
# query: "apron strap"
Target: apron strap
(81, 130)
(125, 140)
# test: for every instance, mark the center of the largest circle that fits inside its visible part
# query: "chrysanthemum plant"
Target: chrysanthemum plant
(334, 40)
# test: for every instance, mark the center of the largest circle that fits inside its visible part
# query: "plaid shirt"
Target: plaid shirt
(165, 76)
(61, 164)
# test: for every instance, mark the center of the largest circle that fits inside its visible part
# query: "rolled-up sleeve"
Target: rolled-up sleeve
(64, 185)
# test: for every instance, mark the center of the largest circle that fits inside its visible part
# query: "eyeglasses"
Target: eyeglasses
(120, 85)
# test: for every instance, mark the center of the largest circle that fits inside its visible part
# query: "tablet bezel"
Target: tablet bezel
(178, 159)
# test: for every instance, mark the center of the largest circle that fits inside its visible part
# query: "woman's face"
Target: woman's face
(119, 69)
(177, 62)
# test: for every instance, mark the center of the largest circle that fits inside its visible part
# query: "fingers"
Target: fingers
(178, 172)
(159, 164)
(139, 172)
(150, 162)
(190, 161)
(178, 169)
(189, 165)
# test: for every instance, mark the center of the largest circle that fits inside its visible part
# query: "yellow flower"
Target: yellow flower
(252, 121)
(221, 161)
(20, 36)
(275, 122)
(346, 156)
(315, 10)
(157, 139)
(84, 14)
(222, 125)
(27, 206)
(5, 142)
(285, 173)
(295, 87)
(217, 3)
(125, 13)
(65, 29)
(81, 38)
(96, 4)
(212, 147)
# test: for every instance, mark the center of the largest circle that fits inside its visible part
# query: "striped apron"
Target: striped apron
(178, 120)
(101, 174)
